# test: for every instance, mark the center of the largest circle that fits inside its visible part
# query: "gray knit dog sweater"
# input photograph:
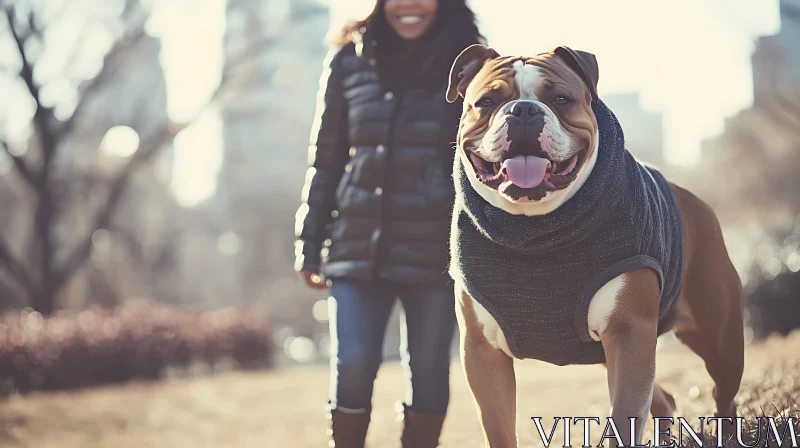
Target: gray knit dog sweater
(536, 275)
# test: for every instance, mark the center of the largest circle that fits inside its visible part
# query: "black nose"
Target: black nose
(524, 109)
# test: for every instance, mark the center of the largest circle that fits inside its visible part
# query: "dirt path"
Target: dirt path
(285, 408)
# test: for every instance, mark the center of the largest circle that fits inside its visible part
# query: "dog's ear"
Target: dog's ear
(584, 64)
(465, 67)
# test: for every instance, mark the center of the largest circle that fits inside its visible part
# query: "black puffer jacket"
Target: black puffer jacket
(378, 196)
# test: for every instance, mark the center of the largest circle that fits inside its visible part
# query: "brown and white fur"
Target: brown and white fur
(623, 314)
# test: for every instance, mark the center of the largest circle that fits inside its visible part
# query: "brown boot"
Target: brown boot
(348, 429)
(420, 430)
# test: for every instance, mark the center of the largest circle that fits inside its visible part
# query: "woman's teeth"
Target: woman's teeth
(409, 20)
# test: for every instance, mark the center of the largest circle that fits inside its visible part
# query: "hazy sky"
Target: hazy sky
(191, 33)
(690, 58)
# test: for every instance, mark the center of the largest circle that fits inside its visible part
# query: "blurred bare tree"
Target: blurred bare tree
(56, 170)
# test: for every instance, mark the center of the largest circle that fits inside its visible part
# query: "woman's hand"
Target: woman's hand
(313, 280)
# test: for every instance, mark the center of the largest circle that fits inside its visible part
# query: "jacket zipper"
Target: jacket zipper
(385, 219)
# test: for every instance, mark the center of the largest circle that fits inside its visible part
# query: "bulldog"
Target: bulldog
(566, 249)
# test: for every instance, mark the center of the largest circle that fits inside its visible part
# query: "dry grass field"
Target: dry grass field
(285, 408)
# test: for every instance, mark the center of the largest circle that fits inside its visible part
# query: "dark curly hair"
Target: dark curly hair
(424, 62)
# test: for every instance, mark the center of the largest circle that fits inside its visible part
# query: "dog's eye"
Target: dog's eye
(561, 100)
(485, 102)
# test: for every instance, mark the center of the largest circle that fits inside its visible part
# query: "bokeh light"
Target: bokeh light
(120, 141)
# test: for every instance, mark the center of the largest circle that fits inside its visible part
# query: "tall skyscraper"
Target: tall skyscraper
(644, 130)
(776, 60)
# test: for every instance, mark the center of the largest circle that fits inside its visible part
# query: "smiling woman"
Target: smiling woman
(410, 19)
(376, 214)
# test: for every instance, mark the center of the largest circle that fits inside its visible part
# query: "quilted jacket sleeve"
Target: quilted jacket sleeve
(327, 156)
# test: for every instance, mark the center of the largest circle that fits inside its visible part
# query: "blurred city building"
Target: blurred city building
(776, 58)
(644, 130)
(756, 154)
(751, 176)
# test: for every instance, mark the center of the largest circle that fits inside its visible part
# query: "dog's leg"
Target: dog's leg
(663, 406)
(722, 348)
(629, 341)
(490, 375)
(713, 328)
(709, 310)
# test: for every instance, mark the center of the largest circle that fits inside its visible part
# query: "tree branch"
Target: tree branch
(20, 164)
(42, 116)
(146, 152)
(119, 185)
(26, 72)
(9, 296)
(15, 268)
(116, 191)
(110, 68)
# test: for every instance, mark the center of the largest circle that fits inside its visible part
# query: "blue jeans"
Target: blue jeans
(359, 312)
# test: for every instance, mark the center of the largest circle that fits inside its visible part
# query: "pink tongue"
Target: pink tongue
(526, 171)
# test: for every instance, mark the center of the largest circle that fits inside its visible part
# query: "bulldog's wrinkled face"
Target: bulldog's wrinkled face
(528, 135)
